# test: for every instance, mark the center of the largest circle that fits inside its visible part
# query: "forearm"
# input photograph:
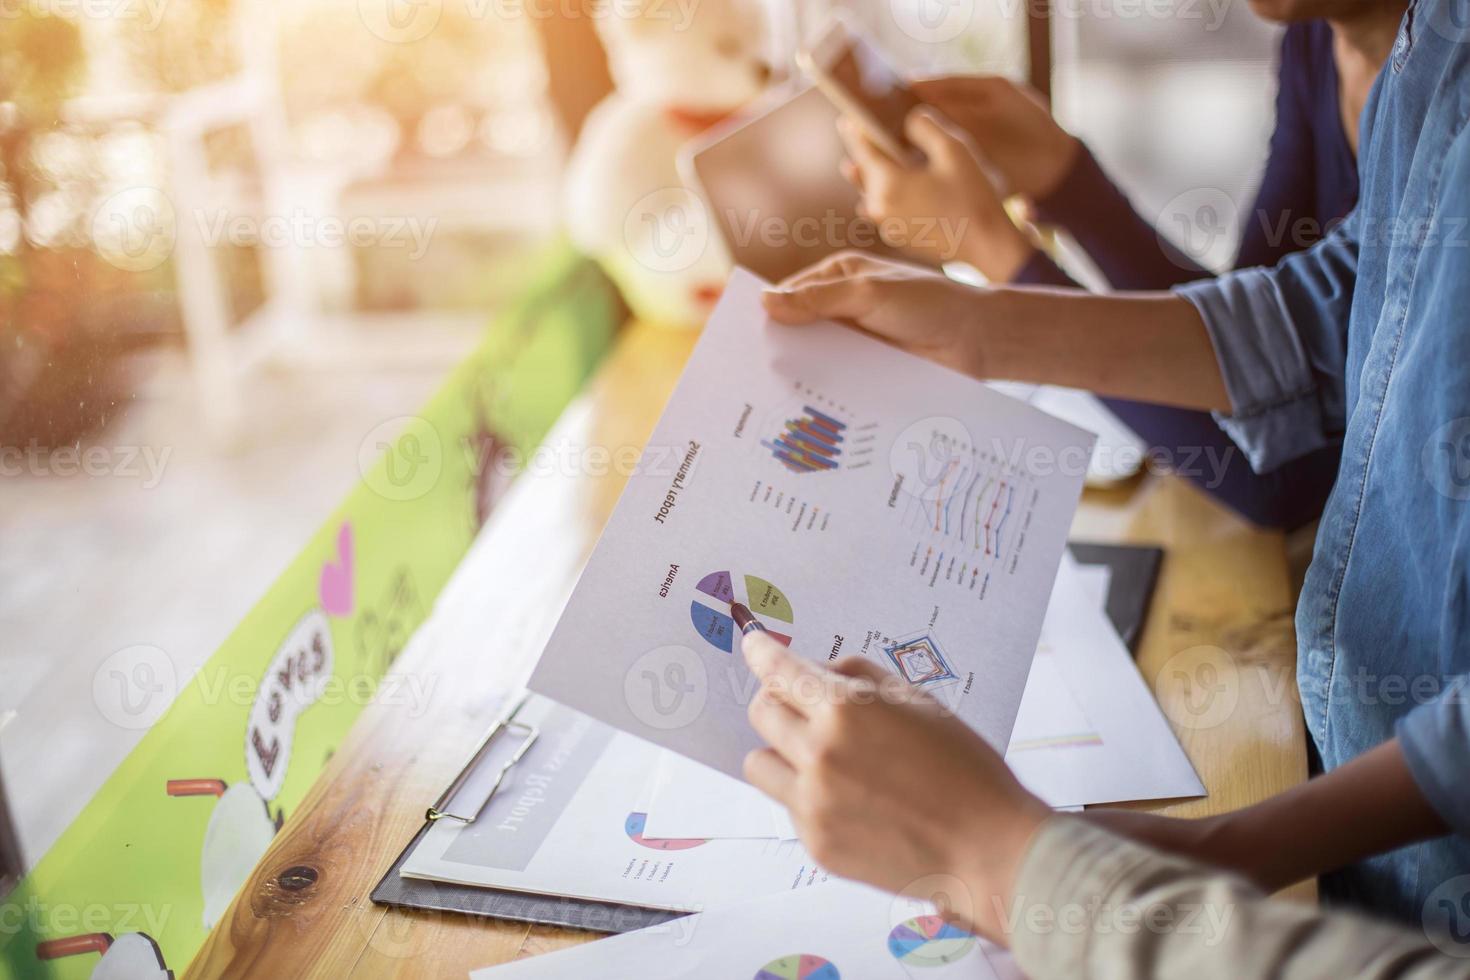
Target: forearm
(1149, 347)
(1369, 806)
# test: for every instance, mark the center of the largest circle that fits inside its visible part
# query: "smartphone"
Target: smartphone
(860, 81)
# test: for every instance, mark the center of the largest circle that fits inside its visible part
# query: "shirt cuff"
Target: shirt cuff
(1434, 737)
(1275, 415)
(1066, 878)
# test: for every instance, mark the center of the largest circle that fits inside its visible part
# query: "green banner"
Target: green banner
(132, 886)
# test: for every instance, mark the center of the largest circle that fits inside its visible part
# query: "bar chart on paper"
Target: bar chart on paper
(709, 611)
(814, 434)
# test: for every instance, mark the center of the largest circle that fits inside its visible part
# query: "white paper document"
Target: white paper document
(566, 821)
(860, 500)
(1089, 730)
(840, 930)
(692, 800)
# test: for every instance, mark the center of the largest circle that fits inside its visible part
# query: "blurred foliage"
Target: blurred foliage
(192, 45)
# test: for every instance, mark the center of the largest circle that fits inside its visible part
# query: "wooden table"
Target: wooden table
(1219, 650)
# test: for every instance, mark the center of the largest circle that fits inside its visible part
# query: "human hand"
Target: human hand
(916, 309)
(884, 785)
(1014, 131)
(939, 210)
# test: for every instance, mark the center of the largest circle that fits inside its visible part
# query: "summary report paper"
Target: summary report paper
(860, 500)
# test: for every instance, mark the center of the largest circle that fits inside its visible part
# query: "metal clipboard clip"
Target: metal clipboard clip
(467, 797)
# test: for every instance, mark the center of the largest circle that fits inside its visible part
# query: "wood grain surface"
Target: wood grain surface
(1219, 651)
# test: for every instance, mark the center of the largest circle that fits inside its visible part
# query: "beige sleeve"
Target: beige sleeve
(1092, 906)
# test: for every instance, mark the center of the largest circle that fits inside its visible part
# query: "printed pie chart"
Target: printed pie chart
(928, 941)
(799, 966)
(634, 825)
(711, 615)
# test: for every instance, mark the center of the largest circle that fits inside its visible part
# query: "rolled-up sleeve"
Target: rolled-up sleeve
(1435, 738)
(1280, 336)
(1088, 904)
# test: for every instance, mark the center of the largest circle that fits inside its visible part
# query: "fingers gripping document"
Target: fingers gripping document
(861, 501)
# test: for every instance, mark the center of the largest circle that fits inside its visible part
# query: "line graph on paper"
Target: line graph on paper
(968, 509)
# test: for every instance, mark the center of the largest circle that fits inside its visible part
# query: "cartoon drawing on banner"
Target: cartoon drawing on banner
(131, 956)
(240, 829)
(382, 630)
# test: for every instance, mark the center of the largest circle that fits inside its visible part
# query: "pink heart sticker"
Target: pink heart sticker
(335, 586)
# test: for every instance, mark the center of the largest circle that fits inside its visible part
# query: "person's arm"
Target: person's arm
(1148, 347)
(1369, 806)
(854, 753)
(1089, 904)
(1264, 348)
(1062, 181)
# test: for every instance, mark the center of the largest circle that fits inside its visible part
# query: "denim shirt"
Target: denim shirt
(1367, 336)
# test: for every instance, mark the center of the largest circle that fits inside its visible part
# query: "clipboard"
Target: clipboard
(1134, 574)
(462, 801)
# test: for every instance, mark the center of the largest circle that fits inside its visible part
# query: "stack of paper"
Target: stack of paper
(861, 502)
(846, 930)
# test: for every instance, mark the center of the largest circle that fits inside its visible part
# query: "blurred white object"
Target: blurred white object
(675, 75)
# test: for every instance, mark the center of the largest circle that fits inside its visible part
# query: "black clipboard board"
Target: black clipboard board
(1135, 572)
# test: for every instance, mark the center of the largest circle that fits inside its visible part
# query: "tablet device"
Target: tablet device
(772, 181)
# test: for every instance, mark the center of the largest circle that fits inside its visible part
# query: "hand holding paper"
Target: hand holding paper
(861, 501)
(883, 784)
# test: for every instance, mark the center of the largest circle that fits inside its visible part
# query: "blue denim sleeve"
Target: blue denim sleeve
(1434, 738)
(1281, 339)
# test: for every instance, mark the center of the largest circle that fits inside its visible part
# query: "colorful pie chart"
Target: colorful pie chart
(634, 826)
(710, 611)
(928, 941)
(799, 966)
